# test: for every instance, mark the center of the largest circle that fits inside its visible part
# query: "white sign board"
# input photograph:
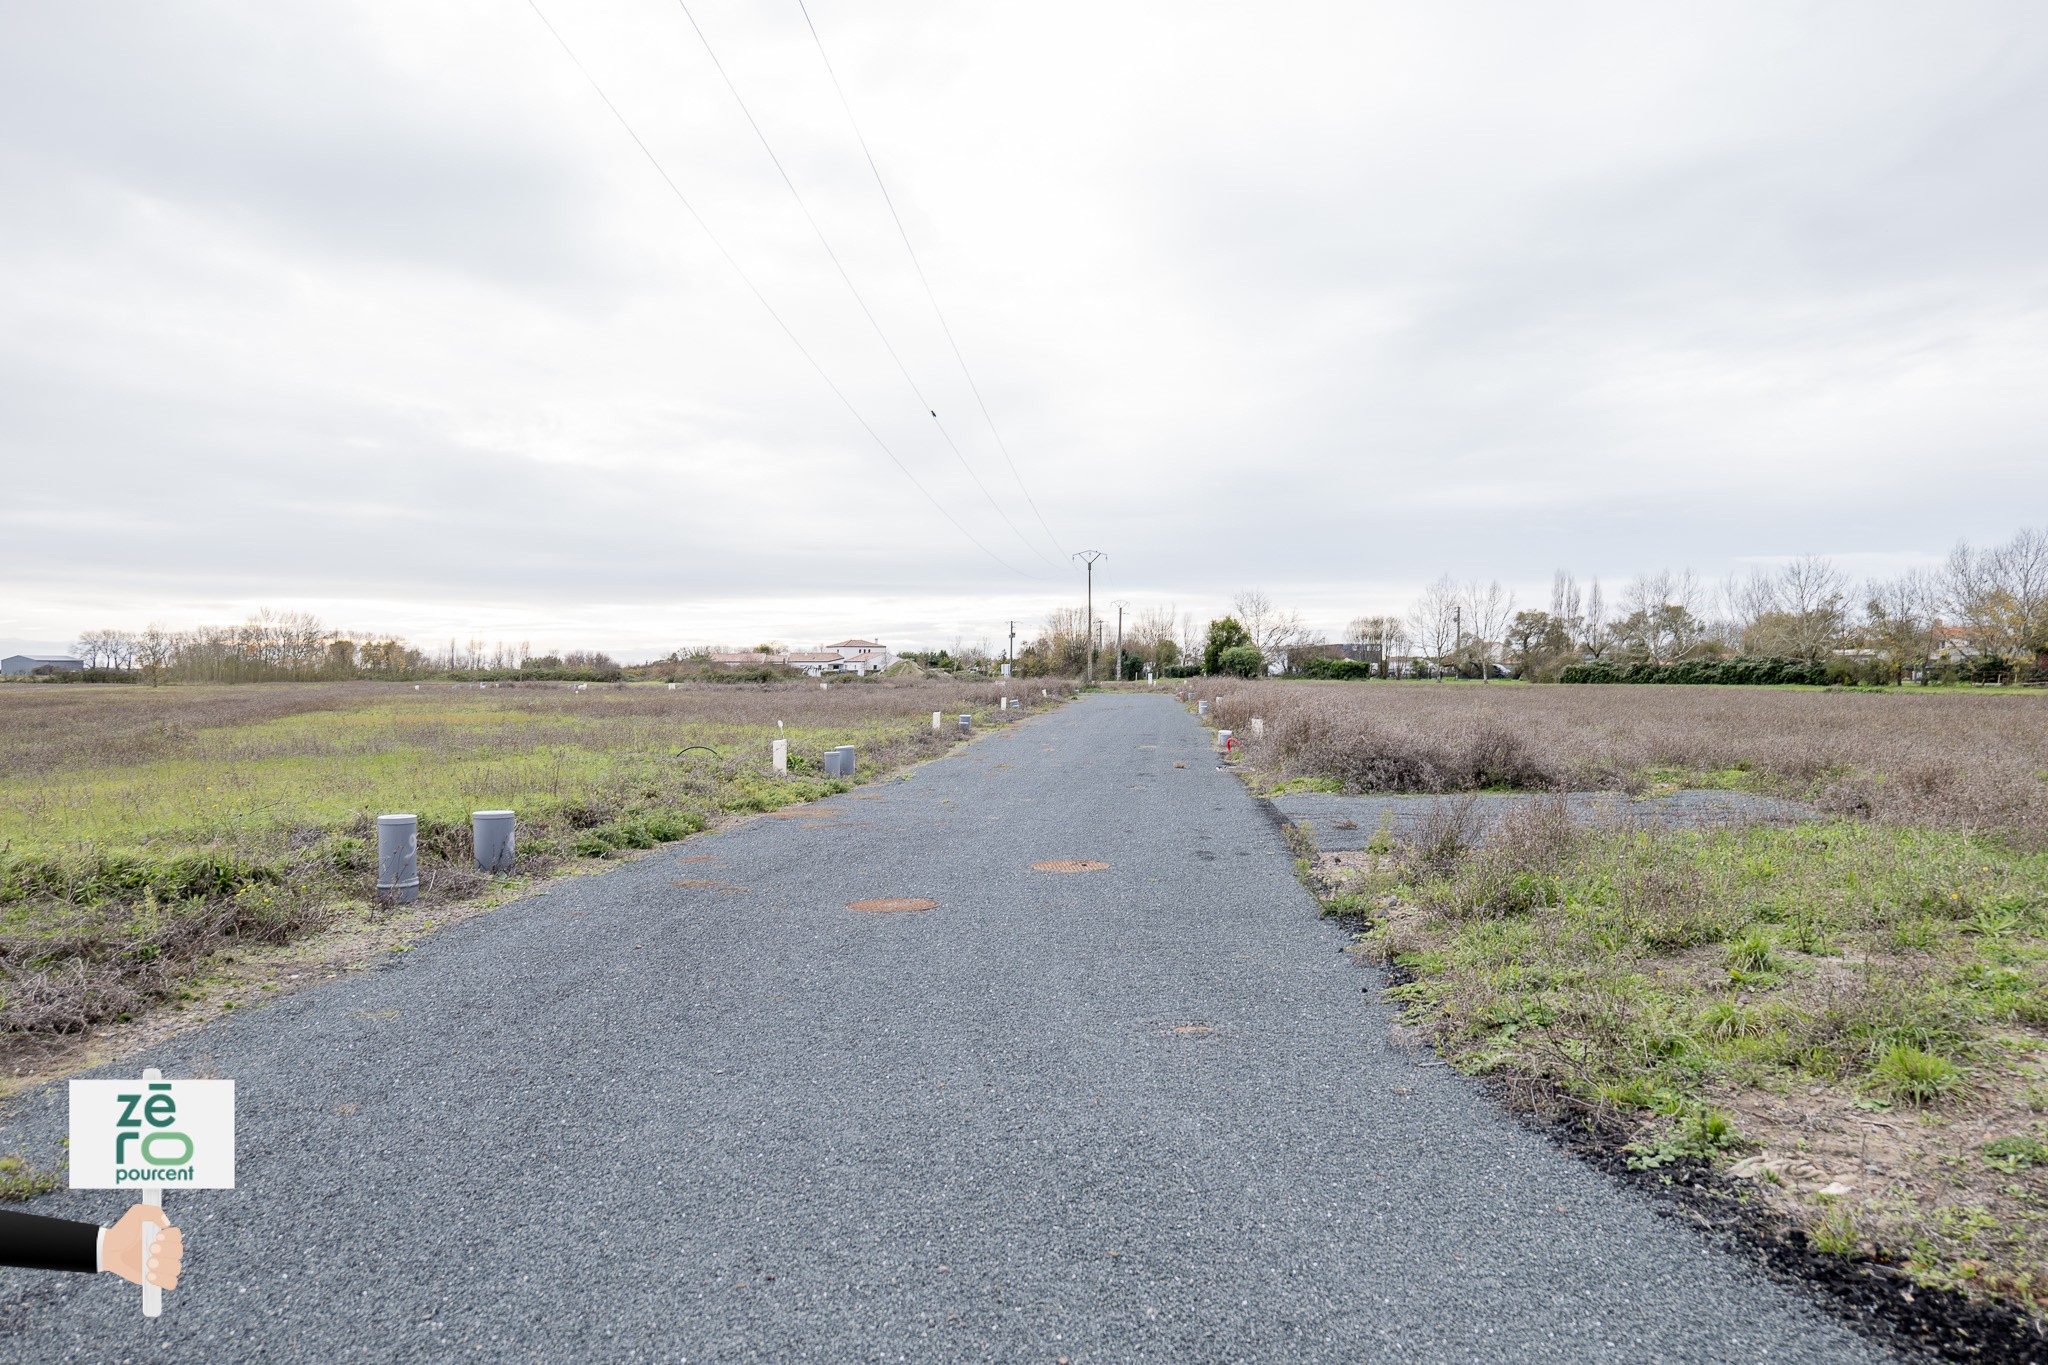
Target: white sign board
(179, 1135)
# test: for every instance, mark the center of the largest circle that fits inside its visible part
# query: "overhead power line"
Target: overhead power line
(760, 297)
(854, 289)
(918, 265)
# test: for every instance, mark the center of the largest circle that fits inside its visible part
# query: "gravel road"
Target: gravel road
(700, 1111)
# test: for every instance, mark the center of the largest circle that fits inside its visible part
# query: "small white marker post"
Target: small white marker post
(780, 750)
(935, 719)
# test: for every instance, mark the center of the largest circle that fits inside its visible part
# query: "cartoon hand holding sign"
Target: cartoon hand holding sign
(145, 1135)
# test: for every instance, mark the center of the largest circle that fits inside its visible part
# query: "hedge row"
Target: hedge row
(1746, 671)
(1338, 670)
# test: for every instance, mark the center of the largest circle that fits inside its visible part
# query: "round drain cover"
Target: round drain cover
(887, 904)
(1069, 865)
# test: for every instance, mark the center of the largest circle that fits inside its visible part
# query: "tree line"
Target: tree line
(294, 646)
(1982, 614)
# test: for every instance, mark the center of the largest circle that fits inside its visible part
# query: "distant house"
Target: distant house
(18, 665)
(1952, 645)
(862, 656)
(815, 662)
(848, 656)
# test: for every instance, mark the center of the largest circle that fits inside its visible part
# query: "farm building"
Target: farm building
(19, 665)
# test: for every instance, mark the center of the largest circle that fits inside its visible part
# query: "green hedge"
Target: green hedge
(1338, 670)
(1243, 661)
(1744, 671)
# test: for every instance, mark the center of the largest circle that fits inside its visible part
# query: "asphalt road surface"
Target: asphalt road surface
(701, 1111)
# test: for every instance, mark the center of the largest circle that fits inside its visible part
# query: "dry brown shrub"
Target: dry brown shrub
(43, 729)
(1954, 760)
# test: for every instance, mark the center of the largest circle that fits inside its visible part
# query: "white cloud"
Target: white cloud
(377, 311)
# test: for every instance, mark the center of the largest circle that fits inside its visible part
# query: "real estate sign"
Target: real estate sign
(179, 1135)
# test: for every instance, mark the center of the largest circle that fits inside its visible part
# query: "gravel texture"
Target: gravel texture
(1147, 1113)
(1326, 816)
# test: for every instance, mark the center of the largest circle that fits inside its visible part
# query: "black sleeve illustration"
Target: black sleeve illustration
(29, 1242)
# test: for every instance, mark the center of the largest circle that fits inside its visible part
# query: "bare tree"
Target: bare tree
(119, 648)
(1663, 621)
(1746, 601)
(1388, 633)
(94, 648)
(1564, 597)
(1274, 631)
(2001, 594)
(154, 649)
(1898, 618)
(1433, 621)
(1148, 635)
(1801, 610)
(1593, 638)
(1485, 611)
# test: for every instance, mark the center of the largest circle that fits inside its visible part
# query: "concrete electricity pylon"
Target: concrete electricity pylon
(1088, 557)
(1120, 606)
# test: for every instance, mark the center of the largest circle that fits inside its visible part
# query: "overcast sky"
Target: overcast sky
(374, 309)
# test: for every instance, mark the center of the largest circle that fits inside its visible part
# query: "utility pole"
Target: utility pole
(1458, 615)
(1088, 557)
(1010, 657)
(1120, 639)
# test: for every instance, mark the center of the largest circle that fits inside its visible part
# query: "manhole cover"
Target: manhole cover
(889, 904)
(1069, 865)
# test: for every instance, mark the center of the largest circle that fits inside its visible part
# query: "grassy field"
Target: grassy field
(142, 830)
(1849, 1016)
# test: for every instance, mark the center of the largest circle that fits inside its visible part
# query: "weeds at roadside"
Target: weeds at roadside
(1741, 997)
(19, 1179)
(1944, 759)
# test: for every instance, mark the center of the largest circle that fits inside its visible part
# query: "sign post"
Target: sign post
(144, 1135)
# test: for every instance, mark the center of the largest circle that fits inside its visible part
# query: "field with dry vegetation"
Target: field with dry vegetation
(144, 831)
(1849, 1016)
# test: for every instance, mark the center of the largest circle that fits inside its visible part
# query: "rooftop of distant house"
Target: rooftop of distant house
(856, 644)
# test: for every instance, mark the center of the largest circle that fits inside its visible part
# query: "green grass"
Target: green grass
(141, 832)
(1328, 785)
(1719, 988)
(440, 759)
